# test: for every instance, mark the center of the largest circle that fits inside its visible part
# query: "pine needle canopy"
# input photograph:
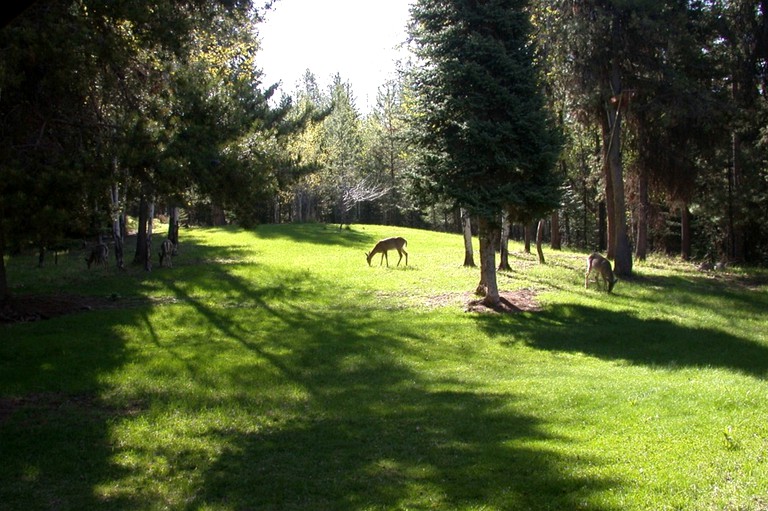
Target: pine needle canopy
(483, 131)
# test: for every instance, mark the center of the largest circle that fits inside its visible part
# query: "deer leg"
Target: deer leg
(400, 253)
(406, 257)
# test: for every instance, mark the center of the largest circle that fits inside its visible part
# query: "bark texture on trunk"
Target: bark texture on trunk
(539, 239)
(641, 247)
(556, 242)
(504, 245)
(141, 235)
(488, 287)
(685, 232)
(4, 292)
(622, 253)
(527, 237)
(469, 258)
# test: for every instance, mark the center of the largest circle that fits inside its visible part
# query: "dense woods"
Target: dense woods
(110, 111)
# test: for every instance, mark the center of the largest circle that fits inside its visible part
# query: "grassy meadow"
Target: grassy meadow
(273, 369)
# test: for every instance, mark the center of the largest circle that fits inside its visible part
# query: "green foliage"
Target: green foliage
(274, 369)
(483, 133)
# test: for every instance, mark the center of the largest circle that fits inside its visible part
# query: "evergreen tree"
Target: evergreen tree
(482, 128)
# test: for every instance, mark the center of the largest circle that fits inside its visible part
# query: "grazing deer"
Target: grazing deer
(99, 255)
(166, 251)
(383, 246)
(602, 267)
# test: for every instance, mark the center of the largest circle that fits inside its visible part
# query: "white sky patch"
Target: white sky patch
(357, 39)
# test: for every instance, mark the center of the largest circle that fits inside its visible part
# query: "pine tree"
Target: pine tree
(481, 127)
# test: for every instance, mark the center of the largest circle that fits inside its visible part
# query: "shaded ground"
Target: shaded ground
(20, 309)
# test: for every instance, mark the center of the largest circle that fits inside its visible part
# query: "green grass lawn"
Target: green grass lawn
(273, 369)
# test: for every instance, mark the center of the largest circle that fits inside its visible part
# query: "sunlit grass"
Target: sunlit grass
(274, 369)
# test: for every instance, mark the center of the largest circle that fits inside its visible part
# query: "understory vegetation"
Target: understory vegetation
(274, 369)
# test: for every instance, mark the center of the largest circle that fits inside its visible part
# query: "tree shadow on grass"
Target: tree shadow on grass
(54, 424)
(611, 335)
(372, 433)
(412, 449)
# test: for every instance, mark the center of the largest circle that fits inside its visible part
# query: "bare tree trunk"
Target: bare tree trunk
(556, 242)
(539, 239)
(173, 228)
(40, 254)
(217, 215)
(685, 232)
(602, 227)
(488, 287)
(641, 248)
(469, 258)
(623, 250)
(610, 244)
(141, 235)
(735, 231)
(148, 248)
(527, 237)
(4, 292)
(117, 231)
(504, 244)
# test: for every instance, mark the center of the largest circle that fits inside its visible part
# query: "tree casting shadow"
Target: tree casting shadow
(611, 335)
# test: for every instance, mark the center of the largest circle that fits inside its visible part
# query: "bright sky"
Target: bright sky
(355, 38)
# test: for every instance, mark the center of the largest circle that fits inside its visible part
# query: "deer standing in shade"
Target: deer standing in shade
(98, 255)
(166, 251)
(383, 246)
(602, 268)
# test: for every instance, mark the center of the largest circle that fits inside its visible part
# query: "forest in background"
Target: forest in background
(146, 108)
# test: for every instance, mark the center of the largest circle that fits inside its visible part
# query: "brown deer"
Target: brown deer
(602, 268)
(166, 251)
(383, 246)
(98, 255)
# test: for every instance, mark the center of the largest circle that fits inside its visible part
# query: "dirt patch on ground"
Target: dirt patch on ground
(510, 302)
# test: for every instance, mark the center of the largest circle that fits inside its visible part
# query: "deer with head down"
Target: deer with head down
(384, 246)
(98, 255)
(602, 268)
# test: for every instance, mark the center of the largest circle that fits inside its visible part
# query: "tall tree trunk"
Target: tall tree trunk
(217, 215)
(469, 258)
(504, 244)
(685, 232)
(40, 254)
(488, 233)
(527, 237)
(610, 206)
(141, 235)
(148, 247)
(173, 228)
(117, 231)
(623, 251)
(641, 248)
(539, 239)
(4, 291)
(735, 229)
(602, 227)
(556, 242)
